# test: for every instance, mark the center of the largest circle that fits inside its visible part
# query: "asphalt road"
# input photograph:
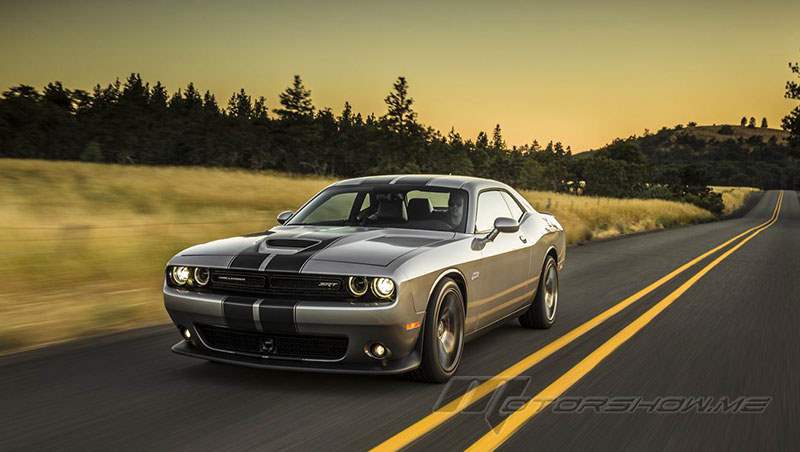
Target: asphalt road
(733, 335)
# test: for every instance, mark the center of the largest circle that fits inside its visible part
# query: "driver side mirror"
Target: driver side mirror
(284, 216)
(501, 224)
(504, 224)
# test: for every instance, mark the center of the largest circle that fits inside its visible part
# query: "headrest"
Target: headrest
(419, 209)
(392, 210)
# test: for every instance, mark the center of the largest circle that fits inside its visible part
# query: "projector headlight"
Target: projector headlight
(383, 287)
(358, 285)
(180, 275)
(201, 276)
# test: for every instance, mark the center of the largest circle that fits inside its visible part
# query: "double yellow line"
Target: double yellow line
(510, 425)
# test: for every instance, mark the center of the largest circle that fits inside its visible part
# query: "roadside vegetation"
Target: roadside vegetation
(734, 197)
(588, 218)
(84, 244)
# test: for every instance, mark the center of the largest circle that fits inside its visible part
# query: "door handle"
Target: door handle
(523, 239)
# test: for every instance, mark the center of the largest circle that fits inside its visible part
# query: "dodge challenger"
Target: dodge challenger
(383, 274)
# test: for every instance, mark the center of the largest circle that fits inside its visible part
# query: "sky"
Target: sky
(579, 72)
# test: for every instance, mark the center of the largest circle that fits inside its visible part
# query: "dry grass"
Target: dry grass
(589, 218)
(84, 245)
(734, 197)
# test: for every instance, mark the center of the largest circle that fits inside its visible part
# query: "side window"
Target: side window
(366, 203)
(491, 206)
(516, 210)
(336, 208)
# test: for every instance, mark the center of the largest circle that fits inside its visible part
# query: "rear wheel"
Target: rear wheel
(542, 313)
(442, 334)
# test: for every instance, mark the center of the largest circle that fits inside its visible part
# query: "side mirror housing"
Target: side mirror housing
(284, 216)
(504, 224)
(501, 224)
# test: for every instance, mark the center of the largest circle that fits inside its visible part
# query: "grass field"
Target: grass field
(733, 197)
(84, 245)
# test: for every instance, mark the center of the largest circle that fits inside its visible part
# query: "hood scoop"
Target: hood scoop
(285, 246)
(290, 243)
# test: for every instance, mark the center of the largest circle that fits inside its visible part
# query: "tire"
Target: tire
(542, 313)
(442, 334)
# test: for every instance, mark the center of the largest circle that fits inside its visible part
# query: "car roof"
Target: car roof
(432, 180)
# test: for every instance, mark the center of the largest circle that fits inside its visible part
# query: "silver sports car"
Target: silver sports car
(384, 274)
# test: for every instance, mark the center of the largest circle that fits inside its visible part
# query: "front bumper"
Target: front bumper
(361, 325)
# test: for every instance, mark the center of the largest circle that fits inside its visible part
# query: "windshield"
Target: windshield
(388, 206)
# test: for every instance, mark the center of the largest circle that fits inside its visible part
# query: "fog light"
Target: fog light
(378, 350)
(187, 334)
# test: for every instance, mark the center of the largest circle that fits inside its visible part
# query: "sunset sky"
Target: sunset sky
(580, 72)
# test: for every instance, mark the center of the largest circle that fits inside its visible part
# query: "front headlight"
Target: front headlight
(180, 275)
(201, 276)
(358, 285)
(383, 287)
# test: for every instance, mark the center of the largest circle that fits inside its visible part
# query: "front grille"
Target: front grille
(237, 280)
(278, 284)
(278, 345)
(321, 284)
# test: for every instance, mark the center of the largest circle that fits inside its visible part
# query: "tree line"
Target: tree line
(133, 122)
(752, 122)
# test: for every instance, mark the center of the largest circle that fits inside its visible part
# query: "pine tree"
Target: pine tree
(108, 96)
(135, 93)
(346, 117)
(210, 105)
(482, 142)
(158, 96)
(240, 105)
(497, 139)
(176, 101)
(296, 102)
(260, 112)
(399, 116)
(58, 96)
(25, 92)
(191, 98)
(791, 123)
(454, 138)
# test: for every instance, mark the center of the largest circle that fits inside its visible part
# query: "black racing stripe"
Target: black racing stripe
(249, 258)
(248, 261)
(238, 312)
(294, 262)
(277, 316)
(414, 180)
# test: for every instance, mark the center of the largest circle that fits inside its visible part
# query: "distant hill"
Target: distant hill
(713, 132)
(713, 155)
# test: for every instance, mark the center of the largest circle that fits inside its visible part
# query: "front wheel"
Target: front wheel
(542, 313)
(442, 334)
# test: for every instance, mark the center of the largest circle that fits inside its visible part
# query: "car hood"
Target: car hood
(299, 244)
